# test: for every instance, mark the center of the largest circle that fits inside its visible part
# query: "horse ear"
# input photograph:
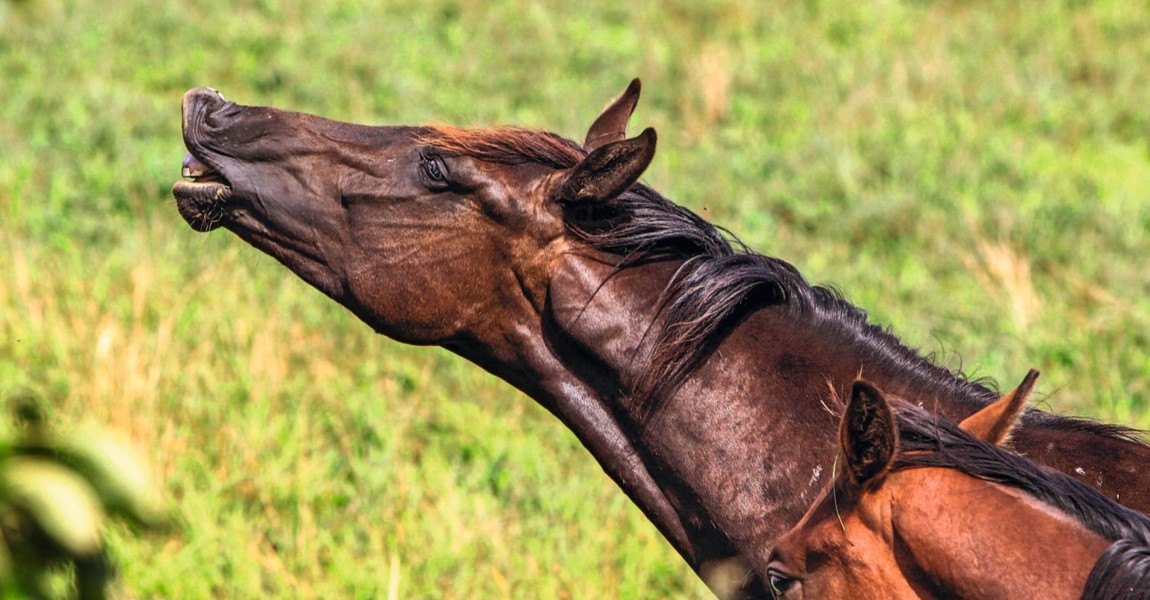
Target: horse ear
(608, 171)
(611, 126)
(868, 434)
(994, 423)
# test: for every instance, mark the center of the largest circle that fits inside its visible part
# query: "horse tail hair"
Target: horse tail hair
(1121, 573)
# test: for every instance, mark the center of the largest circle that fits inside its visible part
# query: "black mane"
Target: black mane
(1123, 571)
(928, 441)
(721, 281)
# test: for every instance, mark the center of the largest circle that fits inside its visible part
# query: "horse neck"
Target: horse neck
(615, 315)
(800, 350)
(762, 402)
(744, 408)
(958, 536)
(527, 353)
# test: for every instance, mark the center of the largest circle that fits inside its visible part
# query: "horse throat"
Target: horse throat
(609, 314)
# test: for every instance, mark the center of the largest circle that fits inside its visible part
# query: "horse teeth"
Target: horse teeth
(192, 167)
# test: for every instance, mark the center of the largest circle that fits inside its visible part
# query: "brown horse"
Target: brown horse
(924, 509)
(694, 370)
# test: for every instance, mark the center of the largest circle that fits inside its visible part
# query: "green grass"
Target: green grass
(974, 174)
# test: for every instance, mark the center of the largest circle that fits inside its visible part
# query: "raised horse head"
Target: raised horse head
(431, 235)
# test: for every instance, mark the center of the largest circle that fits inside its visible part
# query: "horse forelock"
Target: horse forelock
(928, 441)
(509, 145)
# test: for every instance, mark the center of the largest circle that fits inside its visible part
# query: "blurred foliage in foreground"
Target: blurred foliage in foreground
(57, 491)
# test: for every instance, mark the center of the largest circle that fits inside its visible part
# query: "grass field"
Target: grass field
(974, 174)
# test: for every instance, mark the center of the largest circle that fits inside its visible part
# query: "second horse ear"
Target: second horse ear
(608, 171)
(611, 125)
(994, 423)
(868, 435)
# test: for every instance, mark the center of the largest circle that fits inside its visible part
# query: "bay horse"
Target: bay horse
(693, 369)
(922, 508)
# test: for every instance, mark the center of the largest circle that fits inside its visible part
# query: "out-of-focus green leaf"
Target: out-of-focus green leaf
(57, 499)
(118, 475)
(6, 571)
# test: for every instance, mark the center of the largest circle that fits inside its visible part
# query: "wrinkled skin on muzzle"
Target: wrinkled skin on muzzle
(203, 200)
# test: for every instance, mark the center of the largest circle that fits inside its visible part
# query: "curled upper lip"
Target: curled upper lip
(198, 104)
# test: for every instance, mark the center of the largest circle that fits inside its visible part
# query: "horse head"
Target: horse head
(889, 528)
(431, 235)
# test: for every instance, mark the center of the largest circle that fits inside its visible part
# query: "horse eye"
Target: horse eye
(433, 166)
(780, 583)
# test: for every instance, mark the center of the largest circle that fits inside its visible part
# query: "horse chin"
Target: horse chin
(202, 204)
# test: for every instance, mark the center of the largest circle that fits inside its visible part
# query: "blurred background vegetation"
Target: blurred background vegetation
(973, 173)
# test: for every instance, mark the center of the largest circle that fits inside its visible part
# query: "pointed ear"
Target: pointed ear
(608, 171)
(611, 126)
(868, 435)
(994, 423)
